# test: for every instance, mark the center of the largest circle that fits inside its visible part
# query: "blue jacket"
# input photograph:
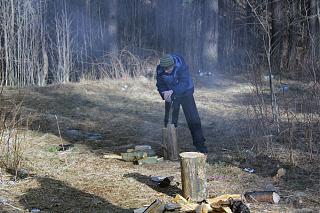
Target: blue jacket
(179, 80)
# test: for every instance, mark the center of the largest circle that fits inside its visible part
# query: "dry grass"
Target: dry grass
(129, 112)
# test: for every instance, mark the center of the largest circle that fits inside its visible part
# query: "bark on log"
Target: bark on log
(193, 176)
(157, 206)
(262, 196)
(170, 144)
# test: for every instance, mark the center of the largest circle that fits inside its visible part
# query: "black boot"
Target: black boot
(201, 148)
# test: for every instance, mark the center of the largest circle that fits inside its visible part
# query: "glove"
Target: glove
(168, 99)
(167, 95)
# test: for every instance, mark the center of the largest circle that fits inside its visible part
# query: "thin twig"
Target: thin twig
(59, 132)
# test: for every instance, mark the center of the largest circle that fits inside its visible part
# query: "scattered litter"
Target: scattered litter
(34, 210)
(22, 173)
(249, 170)
(11, 182)
(284, 88)
(157, 179)
(202, 73)
(64, 147)
(125, 87)
(3, 201)
(4, 182)
(162, 181)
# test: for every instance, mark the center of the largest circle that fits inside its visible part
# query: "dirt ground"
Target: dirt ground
(113, 115)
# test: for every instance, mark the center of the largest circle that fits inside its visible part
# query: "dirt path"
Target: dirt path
(111, 116)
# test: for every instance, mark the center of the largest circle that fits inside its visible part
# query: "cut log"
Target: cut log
(170, 144)
(148, 160)
(112, 156)
(193, 176)
(262, 196)
(203, 208)
(150, 152)
(133, 156)
(157, 206)
(223, 200)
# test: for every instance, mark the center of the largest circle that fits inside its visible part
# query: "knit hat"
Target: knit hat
(166, 61)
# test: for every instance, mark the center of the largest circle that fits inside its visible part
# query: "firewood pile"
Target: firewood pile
(227, 203)
(195, 193)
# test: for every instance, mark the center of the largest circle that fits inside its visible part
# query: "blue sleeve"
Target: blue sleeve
(161, 85)
(184, 81)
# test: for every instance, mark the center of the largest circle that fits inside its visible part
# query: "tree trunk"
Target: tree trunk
(210, 35)
(276, 35)
(285, 42)
(112, 32)
(314, 36)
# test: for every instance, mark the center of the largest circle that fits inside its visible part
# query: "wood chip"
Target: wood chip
(112, 156)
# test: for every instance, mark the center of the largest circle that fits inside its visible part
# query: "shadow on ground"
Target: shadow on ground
(56, 196)
(118, 121)
(170, 190)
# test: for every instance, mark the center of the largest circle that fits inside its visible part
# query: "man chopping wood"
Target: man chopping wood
(176, 88)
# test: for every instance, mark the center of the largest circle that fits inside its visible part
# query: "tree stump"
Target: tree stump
(170, 144)
(193, 176)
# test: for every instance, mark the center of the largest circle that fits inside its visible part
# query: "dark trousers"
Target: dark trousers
(192, 116)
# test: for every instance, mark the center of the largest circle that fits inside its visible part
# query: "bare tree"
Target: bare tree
(64, 63)
(20, 41)
(210, 35)
(264, 20)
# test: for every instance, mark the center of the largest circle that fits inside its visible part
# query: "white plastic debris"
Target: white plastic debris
(157, 179)
(3, 201)
(35, 210)
(249, 170)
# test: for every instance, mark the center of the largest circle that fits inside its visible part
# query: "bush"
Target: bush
(11, 135)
